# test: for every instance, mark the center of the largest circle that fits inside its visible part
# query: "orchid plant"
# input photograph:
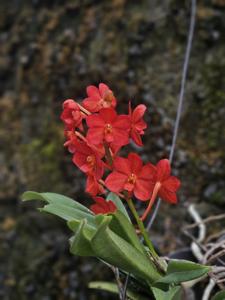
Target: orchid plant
(95, 134)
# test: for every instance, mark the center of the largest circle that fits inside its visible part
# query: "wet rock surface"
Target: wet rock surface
(50, 51)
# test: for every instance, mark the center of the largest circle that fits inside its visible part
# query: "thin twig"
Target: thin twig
(216, 256)
(194, 239)
(181, 98)
(118, 282)
(212, 249)
(125, 287)
(215, 235)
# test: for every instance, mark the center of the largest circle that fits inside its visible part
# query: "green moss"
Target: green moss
(41, 163)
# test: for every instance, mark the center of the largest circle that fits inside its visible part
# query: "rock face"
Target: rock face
(51, 50)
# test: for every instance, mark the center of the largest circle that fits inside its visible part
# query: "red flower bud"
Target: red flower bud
(102, 206)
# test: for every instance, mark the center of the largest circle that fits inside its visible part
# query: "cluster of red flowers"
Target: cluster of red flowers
(95, 133)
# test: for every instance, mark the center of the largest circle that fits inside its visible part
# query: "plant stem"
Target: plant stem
(142, 228)
(152, 200)
(85, 111)
(108, 155)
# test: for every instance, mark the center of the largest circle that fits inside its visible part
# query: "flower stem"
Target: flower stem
(142, 228)
(84, 110)
(152, 200)
(108, 155)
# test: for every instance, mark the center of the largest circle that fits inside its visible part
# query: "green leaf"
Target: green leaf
(181, 270)
(74, 225)
(119, 204)
(171, 293)
(80, 243)
(62, 206)
(53, 198)
(113, 288)
(116, 251)
(122, 227)
(69, 213)
(219, 296)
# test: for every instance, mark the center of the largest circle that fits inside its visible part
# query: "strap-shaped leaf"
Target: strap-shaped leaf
(119, 204)
(74, 225)
(122, 227)
(80, 243)
(53, 198)
(69, 213)
(182, 270)
(113, 249)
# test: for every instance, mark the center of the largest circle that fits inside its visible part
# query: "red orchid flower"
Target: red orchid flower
(93, 187)
(130, 175)
(71, 115)
(108, 127)
(88, 160)
(72, 140)
(98, 98)
(102, 206)
(137, 123)
(165, 186)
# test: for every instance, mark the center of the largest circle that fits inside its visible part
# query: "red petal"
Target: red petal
(92, 91)
(122, 122)
(96, 209)
(115, 182)
(80, 160)
(99, 168)
(167, 195)
(140, 125)
(91, 104)
(81, 147)
(143, 189)
(136, 137)
(172, 184)
(148, 172)
(95, 135)
(138, 112)
(99, 200)
(121, 137)
(108, 115)
(103, 88)
(70, 104)
(135, 163)
(95, 121)
(112, 206)
(163, 169)
(92, 186)
(102, 206)
(122, 165)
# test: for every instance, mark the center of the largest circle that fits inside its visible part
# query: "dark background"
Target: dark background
(50, 51)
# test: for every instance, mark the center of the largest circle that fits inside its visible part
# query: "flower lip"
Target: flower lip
(132, 178)
(108, 128)
(91, 160)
